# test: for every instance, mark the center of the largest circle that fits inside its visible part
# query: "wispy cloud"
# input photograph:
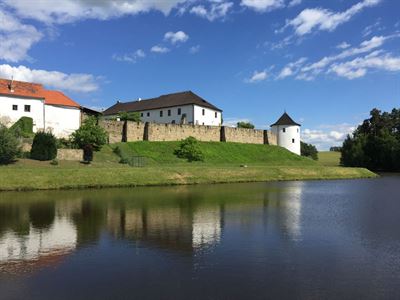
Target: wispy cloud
(176, 37)
(194, 49)
(78, 82)
(130, 57)
(159, 49)
(326, 136)
(257, 76)
(343, 45)
(263, 5)
(216, 10)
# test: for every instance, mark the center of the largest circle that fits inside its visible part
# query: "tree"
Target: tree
(90, 133)
(9, 145)
(190, 150)
(129, 116)
(375, 144)
(308, 150)
(245, 125)
(44, 146)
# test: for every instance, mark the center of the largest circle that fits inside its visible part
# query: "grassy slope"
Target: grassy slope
(329, 158)
(222, 164)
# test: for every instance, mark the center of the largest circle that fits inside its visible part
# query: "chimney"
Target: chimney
(10, 85)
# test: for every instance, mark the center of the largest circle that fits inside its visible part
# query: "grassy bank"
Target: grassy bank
(329, 158)
(222, 165)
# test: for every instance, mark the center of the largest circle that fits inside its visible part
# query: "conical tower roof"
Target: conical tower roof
(285, 119)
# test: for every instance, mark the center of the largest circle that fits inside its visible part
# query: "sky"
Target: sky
(327, 63)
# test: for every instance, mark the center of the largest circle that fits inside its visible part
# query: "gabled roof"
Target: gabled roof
(35, 90)
(164, 101)
(285, 119)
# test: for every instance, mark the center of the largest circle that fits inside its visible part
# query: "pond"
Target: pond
(303, 240)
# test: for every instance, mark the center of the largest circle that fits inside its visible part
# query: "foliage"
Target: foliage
(245, 125)
(90, 133)
(335, 149)
(44, 146)
(190, 150)
(9, 145)
(375, 144)
(63, 143)
(23, 127)
(308, 150)
(129, 116)
(88, 153)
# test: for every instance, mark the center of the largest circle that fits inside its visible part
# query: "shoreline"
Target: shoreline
(94, 177)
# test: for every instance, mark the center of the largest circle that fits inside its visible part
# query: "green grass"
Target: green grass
(222, 165)
(329, 158)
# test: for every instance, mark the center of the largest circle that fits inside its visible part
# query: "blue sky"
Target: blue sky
(328, 63)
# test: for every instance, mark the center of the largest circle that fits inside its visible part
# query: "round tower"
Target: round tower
(287, 133)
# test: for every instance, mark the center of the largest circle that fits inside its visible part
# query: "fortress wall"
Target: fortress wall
(114, 130)
(135, 131)
(243, 135)
(175, 132)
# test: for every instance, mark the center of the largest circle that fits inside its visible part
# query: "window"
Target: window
(292, 141)
(173, 122)
(141, 114)
(15, 107)
(297, 130)
(284, 129)
(203, 111)
(203, 123)
(179, 111)
(148, 114)
(27, 108)
(169, 112)
(216, 115)
(161, 113)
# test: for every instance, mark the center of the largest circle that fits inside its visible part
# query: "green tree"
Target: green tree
(189, 149)
(9, 145)
(23, 127)
(129, 116)
(44, 146)
(245, 125)
(308, 150)
(90, 133)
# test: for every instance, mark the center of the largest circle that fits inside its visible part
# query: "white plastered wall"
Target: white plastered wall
(288, 136)
(210, 118)
(62, 120)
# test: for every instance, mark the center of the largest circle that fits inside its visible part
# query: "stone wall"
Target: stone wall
(174, 132)
(242, 135)
(70, 154)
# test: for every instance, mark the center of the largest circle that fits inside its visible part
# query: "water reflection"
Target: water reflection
(37, 229)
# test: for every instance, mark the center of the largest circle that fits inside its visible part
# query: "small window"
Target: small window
(15, 107)
(203, 111)
(284, 129)
(297, 130)
(292, 141)
(27, 108)
(203, 123)
(179, 111)
(216, 115)
(141, 114)
(169, 112)
(161, 113)
(148, 114)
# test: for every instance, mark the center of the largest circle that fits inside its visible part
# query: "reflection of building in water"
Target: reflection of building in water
(171, 228)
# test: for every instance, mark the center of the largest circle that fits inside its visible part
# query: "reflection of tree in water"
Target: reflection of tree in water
(12, 218)
(89, 221)
(42, 214)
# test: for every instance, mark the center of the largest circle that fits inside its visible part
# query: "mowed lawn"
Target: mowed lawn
(329, 158)
(224, 162)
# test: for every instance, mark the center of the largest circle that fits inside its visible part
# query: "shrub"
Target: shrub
(44, 146)
(23, 127)
(90, 134)
(190, 150)
(9, 145)
(245, 125)
(63, 143)
(129, 116)
(88, 153)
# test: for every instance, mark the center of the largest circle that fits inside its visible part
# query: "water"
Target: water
(302, 240)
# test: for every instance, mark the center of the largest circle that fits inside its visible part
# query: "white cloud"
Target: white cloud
(373, 28)
(291, 68)
(68, 11)
(217, 10)
(343, 45)
(257, 77)
(263, 5)
(232, 122)
(159, 49)
(176, 37)
(71, 82)
(194, 49)
(16, 38)
(130, 57)
(326, 136)
(323, 19)
(294, 3)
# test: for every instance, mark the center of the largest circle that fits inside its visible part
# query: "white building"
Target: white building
(49, 110)
(287, 133)
(177, 108)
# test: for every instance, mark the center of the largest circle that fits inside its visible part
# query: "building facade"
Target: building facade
(287, 133)
(177, 108)
(50, 110)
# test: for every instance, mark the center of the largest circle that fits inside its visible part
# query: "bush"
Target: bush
(23, 127)
(88, 153)
(190, 150)
(63, 143)
(90, 134)
(245, 125)
(9, 146)
(309, 150)
(44, 146)
(129, 116)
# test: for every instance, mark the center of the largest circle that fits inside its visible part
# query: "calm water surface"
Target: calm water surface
(302, 240)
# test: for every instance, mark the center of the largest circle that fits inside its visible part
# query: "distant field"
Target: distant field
(329, 158)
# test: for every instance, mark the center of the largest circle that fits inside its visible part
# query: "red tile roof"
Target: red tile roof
(35, 90)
